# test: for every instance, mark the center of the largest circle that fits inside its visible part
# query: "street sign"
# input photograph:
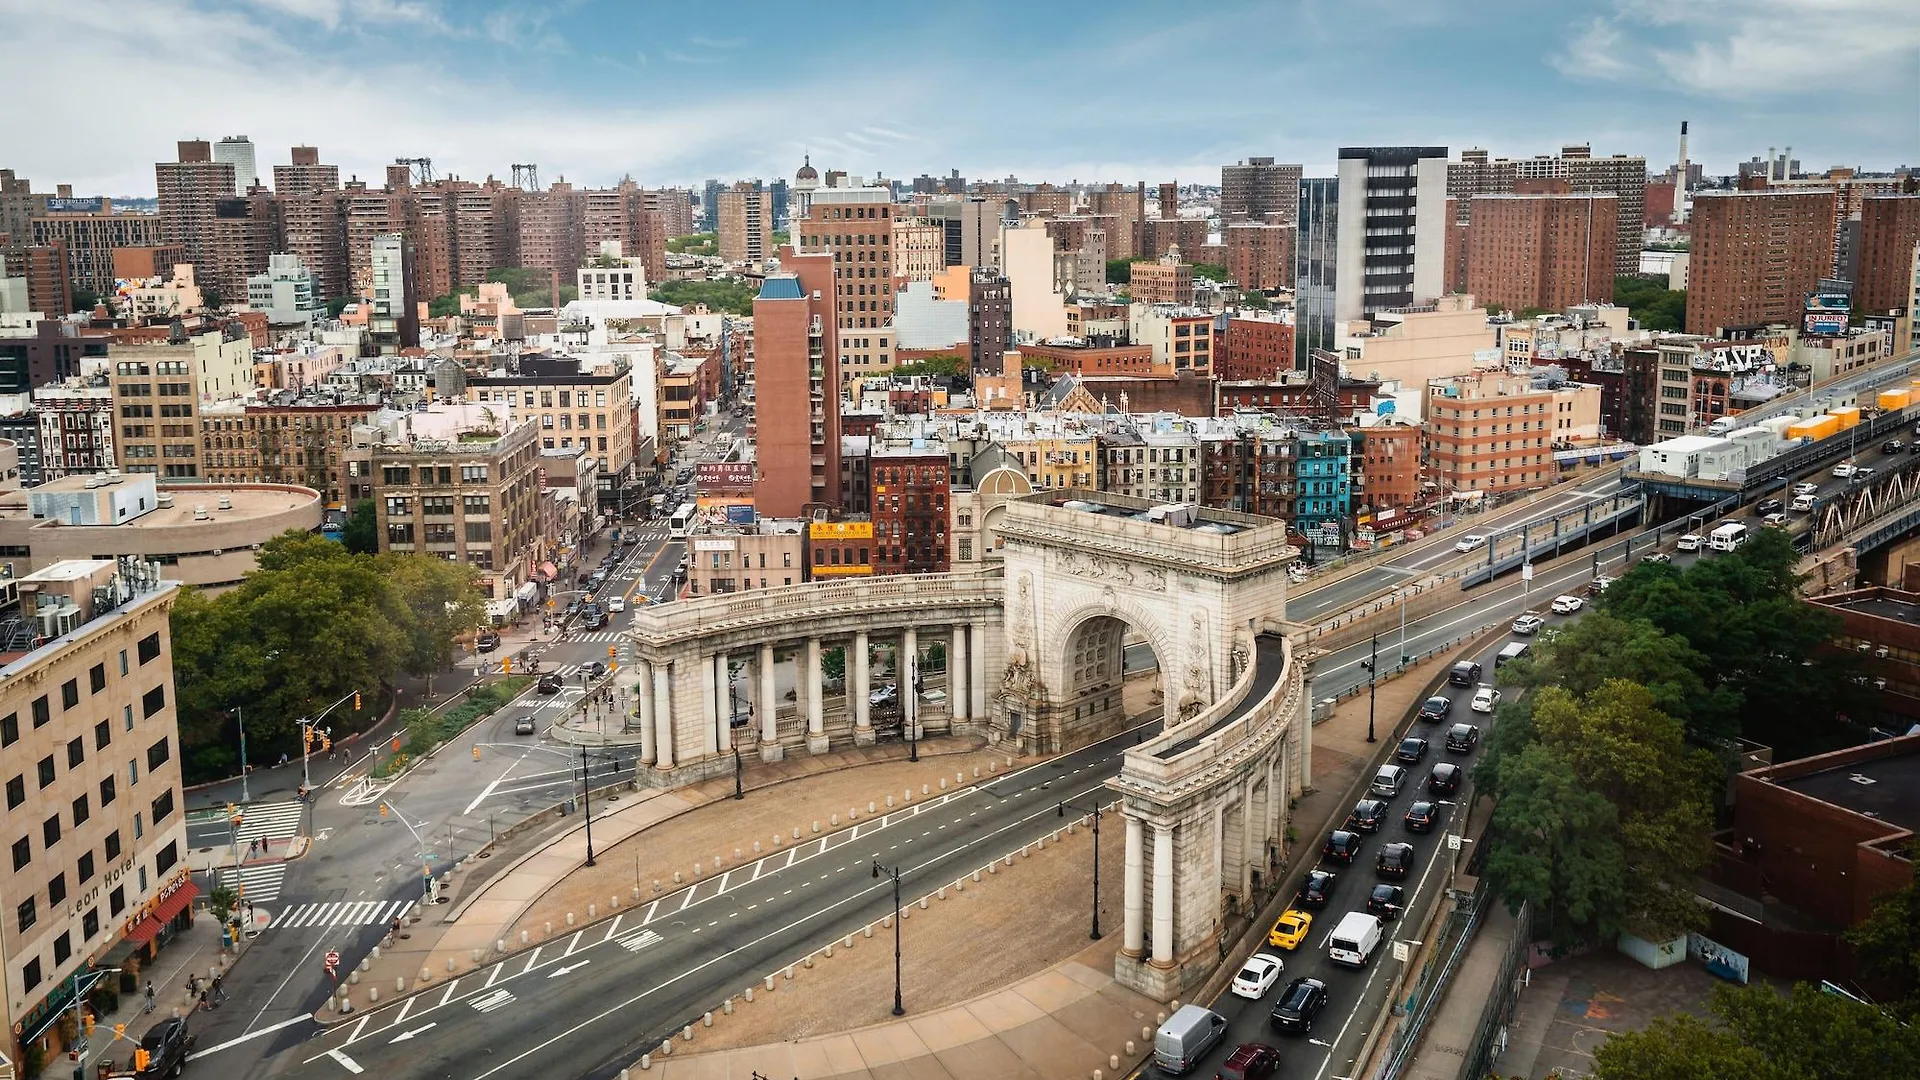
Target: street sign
(1401, 952)
(1453, 841)
(333, 959)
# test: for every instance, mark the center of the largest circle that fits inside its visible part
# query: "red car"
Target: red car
(1250, 1061)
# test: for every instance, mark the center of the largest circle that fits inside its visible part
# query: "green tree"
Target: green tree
(442, 600)
(1887, 942)
(1651, 302)
(943, 364)
(1120, 271)
(531, 287)
(441, 307)
(85, 299)
(336, 306)
(1256, 300)
(1757, 1033)
(1209, 271)
(719, 294)
(704, 243)
(362, 534)
(1601, 645)
(1553, 843)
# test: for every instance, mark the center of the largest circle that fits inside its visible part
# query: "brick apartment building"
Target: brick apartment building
(189, 190)
(1260, 255)
(1257, 348)
(91, 237)
(1756, 256)
(745, 223)
(1621, 175)
(1165, 280)
(1491, 431)
(1889, 232)
(910, 490)
(1256, 187)
(1542, 248)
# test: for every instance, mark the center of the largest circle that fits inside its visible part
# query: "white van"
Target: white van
(1354, 939)
(1727, 537)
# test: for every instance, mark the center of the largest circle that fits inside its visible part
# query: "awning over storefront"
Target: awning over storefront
(551, 571)
(48, 1012)
(163, 913)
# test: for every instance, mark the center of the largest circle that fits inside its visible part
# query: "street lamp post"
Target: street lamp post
(912, 708)
(1373, 662)
(1095, 811)
(898, 1008)
(586, 802)
(246, 795)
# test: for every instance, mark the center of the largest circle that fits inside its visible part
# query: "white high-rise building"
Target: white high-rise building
(287, 292)
(237, 151)
(1387, 194)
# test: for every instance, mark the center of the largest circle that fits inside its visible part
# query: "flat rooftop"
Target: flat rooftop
(1880, 606)
(246, 502)
(1885, 788)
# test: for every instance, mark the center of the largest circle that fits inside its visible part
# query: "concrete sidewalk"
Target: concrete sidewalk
(1068, 1019)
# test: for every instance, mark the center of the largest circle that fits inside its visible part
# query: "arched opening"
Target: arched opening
(1111, 682)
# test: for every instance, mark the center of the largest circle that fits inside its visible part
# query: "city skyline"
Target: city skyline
(594, 90)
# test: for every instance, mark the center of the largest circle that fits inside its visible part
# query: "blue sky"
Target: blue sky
(1117, 90)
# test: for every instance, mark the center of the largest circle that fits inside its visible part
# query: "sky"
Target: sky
(675, 93)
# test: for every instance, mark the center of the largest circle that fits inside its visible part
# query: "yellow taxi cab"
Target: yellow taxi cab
(1290, 929)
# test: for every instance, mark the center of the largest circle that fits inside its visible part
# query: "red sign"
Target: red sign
(333, 958)
(724, 478)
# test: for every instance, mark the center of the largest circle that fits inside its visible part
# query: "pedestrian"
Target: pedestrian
(193, 987)
(149, 996)
(218, 995)
(204, 1007)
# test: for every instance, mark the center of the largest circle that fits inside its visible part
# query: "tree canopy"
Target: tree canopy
(1209, 271)
(719, 294)
(1651, 302)
(1887, 942)
(703, 243)
(1757, 1033)
(1120, 271)
(943, 364)
(314, 623)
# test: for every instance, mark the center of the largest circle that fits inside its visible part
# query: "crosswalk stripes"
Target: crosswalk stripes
(272, 821)
(262, 882)
(601, 635)
(341, 913)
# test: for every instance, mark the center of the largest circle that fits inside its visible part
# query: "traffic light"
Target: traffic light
(142, 1059)
(506, 665)
(612, 650)
(87, 1021)
(383, 809)
(356, 701)
(119, 1032)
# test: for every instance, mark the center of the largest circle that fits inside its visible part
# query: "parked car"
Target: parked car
(1257, 976)
(1484, 699)
(1367, 815)
(1411, 750)
(1342, 846)
(1444, 779)
(1386, 901)
(1250, 1061)
(487, 641)
(1462, 738)
(1435, 709)
(1528, 624)
(1394, 860)
(525, 726)
(1691, 542)
(1421, 816)
(1464, 673)
(1290, 929)
(1315, 891)
(1470, 542)
(1567, 605)
(1299, 1004)
(883, 695)
(1767, 506)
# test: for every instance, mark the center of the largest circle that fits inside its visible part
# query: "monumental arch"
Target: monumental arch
(1083, 567)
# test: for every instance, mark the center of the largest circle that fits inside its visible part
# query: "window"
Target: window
(157, 755)
(150, 647)
(76, 752)
(16, 791)
(123, 663)
(46, 771)
(117, 900)
(50, 831)
(56, 889)
(90, 924)
(153, 701)
(133, 772)
(102, 735)
(84, 872)
(9, 729)
(42, 712)
(22, 853)
(69, 694)
(162, 806)
(139, 826)
(127, 711)
(113, 851)
(62, 948)
(168, 855)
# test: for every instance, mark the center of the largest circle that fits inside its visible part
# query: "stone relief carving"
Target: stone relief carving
(1242, 656)
(1197, 655)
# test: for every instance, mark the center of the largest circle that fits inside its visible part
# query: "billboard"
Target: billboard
(723, 477)
(740, 514)
(840, 530)
(91, 205)
(1824, 323)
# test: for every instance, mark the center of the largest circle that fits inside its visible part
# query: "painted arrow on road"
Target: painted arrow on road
(405, 1035)
(562, 970)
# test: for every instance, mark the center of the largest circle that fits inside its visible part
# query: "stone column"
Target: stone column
(856, 668)
(663, 716)
(904, 668)
(977, 678)
(1304, 765)
(811, 680)
(723, 702)
(1249, 829)
(957, 700)
(768, 707)
(1163, 896)
(709, 708)
(1136, 898)
(643, 696)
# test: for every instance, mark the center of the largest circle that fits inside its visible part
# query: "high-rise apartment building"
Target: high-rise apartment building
(744, 222)
(970, 230)
(796, 360)
(49, 285)
(1316, 251)
(673, 207)
(620, 213)
(989, 318)
(19, 205)
(1260, 254)
(486, 231)
(919, 249)
(910, 489)
(1889, 230)
(287, 291)
(1166, 280)
(90, 237)
(372, 212)
(1547, 251)
(1128, 205)
(1492, 431)
(1850, 192)
(551, 230)
(394, 322)
(1256, 187)
(159, 391)
(237, 151)
(854, 226)
(244, 235)
(313, 222)
(189, 192)
(1391, 247)
(577, 405)
(1621, 175)
(1756, 256)
(100, 847)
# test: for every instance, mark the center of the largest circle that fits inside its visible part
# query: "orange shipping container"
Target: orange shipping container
(1894, 400)
(1848, 416)
(1816, 428)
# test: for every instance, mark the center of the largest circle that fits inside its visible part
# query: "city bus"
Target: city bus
(682, 521)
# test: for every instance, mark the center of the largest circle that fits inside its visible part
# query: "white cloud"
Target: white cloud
(717, 43)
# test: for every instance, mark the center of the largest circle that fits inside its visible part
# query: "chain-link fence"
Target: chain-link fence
(1490, 1037)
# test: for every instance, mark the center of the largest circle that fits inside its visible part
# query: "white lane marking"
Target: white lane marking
(448, 996)
(230, 1043)
(494, 974)
(723, 881)
(532, 960)
(405, 1008)
(492, 1000)
(405, 1035)
(615, 928)
(565, 968)
(346, 1062)
(648, 917)
(687, 899)
(572, 944)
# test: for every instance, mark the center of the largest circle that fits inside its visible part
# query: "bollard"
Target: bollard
(1009, 761)
(623, 1075)
(923, 902)
(1097, 1074)
(889, 802)
(816, 824)
(976, 875)
(696, 869)
(706, 1019)
(373, 994)
(346, 1004)
(736, 854)
(958, 779)
(853, 813)
(686, 1033)
(993, 767)
(1008, 860)
(425, 974)
(1113, 1061)
(776, 840)
(943, 783)
(925, 790)
(636, 894)
(807, 963)
(1160, 1018)
(959, 886)
(748, 995)
(718, 862)
(1129, 1048)
(1026, 851)
(613, 902)
(796, 832)
(525, 937)
(867, 931)
(869, 806)
(363, 963)
(452, 964)
(756, 847)
(942, 894)
(569, 918)
(789, 973)
(993, 868)
(666, 1048)
(907, 911)
(593, 911)
(976, 772)
(847, 942)
(1173, 1006)
(375, 953)
(1070, 828)
(656, 886)
(646, 1061)
(769, 984)
(353, 977)
(827, 953)
(1146, 1033)
(906, 795)
(832, 819)
(727, 1007)
(676, 877)
(499, 944)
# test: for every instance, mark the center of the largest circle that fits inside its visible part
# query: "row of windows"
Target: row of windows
(26, 913)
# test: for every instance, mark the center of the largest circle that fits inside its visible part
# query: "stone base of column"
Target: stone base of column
(663, 768)
(772, 751)
(865, 736)
(1161, 984)
(816, 744)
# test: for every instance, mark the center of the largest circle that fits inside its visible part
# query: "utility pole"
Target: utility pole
(246, 795)
(1372, 663)
(586, 802)
(898, 1008)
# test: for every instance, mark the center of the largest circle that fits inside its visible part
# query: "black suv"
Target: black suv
(1367, 815)
(1395, 860)
(1445, 779)
(1464, 673)
(1435, 709)
(166, 1044)
(1318, 888)
(1769, 506)
(1462, 738)
(1342, 846)
(550, 683)
(1298, 1005)
(1386, 901)
(1421, 816)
